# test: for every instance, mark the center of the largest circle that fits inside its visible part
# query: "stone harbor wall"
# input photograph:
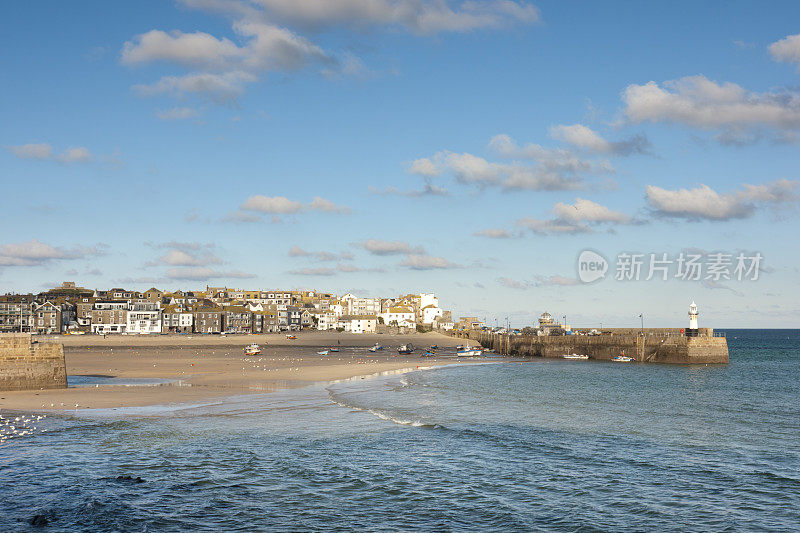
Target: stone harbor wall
(667, 346)
(26, 364)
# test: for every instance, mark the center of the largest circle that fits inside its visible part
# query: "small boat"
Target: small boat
(252, 349)
(434, 347)
(467, 351)
(575, 356)
(428, 353)
(622, 358)
(406, 349)
(332, 349)
(291, 337)
(323, 352)
(376, 348)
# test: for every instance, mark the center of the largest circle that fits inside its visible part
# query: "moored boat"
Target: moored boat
(376, 348)
(575, 356)
(406, 349)
(323, 352)
(622, 358)
(468, 351)
(252, 349)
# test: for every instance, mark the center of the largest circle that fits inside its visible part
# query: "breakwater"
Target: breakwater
(654, 346)
(26, 364)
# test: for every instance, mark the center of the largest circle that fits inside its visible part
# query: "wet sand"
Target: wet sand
(204, 367)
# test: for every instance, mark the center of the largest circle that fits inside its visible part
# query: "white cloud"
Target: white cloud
(417, 16)
(32, 151)
(585, 138)
(326, 206)
(43, 152)
(428, 189)
(552, 226)
(556, 160)
(36, 253)
(184, 254)
(532, 167)
(75, 155)
(177, 113)
(219, 67)
(583, 216)
(280, 205)
(272, 205)
(704, 203)
(240, 217)
(424, 167)
(474, 170)
(196, 49)
(222, 88)
(296, 251)
(185, 258)
(198, 273)
(695, 101)
(313, 272)
(378, 247)
(787, 49)
(494, 233)
(513, 283)
(559, 281)
(427, 262)
(586, 210)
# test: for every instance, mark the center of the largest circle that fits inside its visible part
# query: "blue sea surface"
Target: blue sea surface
(543, 445)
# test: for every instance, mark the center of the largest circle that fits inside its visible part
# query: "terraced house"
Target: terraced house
(208, 319)
(16, 313)
(109, 317)
(237, 319)
(47, 318)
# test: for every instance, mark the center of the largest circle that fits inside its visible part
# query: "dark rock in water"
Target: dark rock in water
(39, 521)
(130, 478)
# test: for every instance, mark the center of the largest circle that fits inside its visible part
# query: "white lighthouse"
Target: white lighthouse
(692, 331)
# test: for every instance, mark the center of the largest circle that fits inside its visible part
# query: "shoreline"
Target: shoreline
(202, 369)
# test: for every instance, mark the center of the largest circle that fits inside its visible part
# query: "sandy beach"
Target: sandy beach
(196, 368)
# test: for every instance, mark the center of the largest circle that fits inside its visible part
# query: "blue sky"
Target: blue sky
(381, 146)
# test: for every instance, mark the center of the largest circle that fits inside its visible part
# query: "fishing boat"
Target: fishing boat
(575, 356)
(252, 349)
(406, 349)
(622, 358)
(376, 348)
(323, 352)
(467, 351)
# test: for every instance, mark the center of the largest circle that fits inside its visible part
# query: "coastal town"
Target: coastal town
(71, 309)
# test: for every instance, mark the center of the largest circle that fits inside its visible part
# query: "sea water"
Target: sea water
(550, 445)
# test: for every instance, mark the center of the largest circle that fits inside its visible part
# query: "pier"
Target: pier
(26, 364)
(650, 345)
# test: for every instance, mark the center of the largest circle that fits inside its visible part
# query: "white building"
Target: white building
(326, 321)
(352, 305)
(359, 323)
(399, 316)
(430, 313)
(144, 318)
(426, 299)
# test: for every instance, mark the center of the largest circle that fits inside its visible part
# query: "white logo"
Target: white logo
(591, 266)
